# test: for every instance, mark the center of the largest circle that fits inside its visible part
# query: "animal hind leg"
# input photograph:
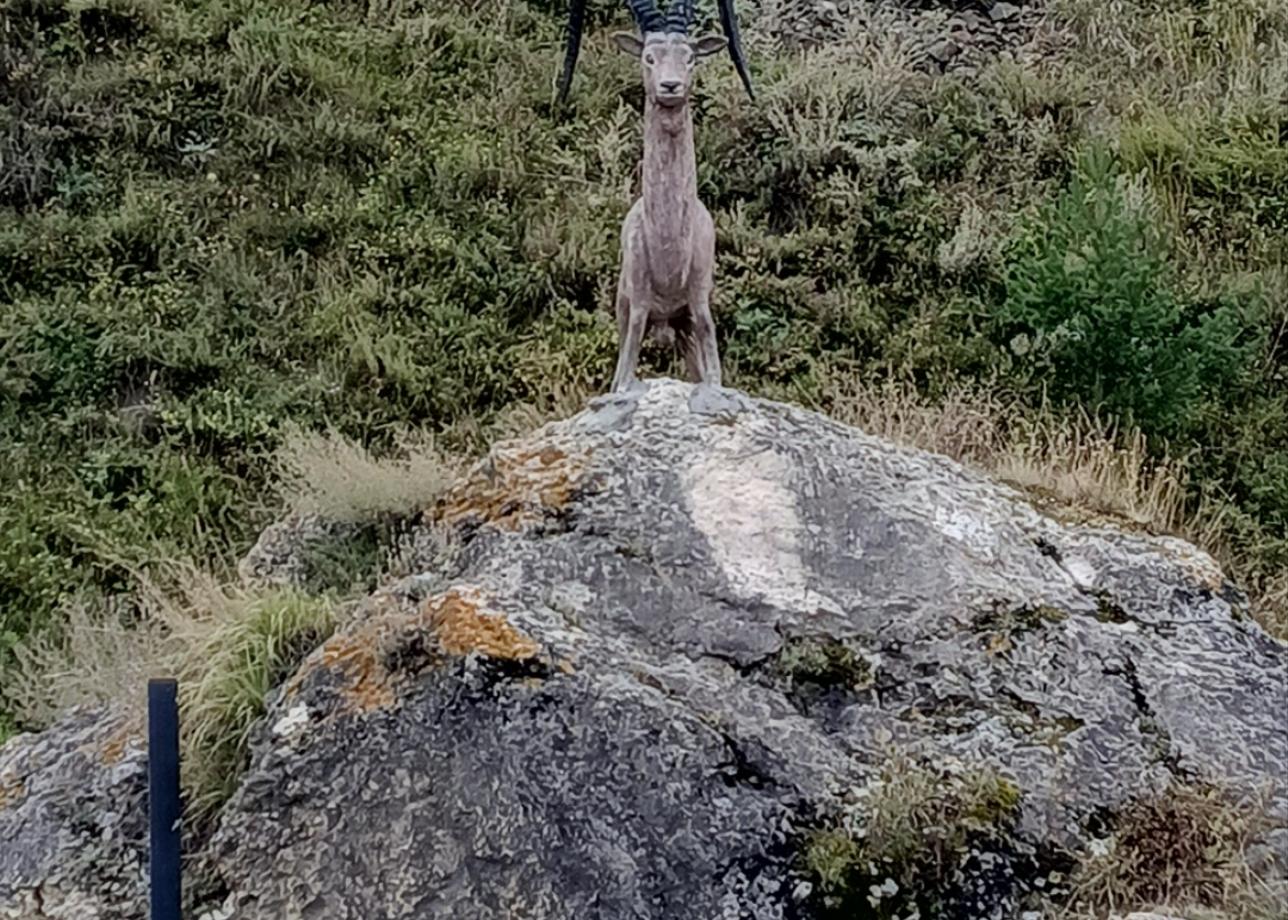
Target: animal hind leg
(687, 344)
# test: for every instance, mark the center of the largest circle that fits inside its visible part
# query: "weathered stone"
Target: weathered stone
(73, 822)
(613, 741)
(972, 20)
(688, 628)
(945, 50)
(1002, 11)
(281, 556)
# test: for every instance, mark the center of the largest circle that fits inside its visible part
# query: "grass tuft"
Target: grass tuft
(1183, 852)
(911, 831)
(335, 477)
(228, 647)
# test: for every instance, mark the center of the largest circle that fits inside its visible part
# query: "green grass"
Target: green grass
(227, 645)
(222, 221)
(910, 829)
(823, 661)
(231, 671)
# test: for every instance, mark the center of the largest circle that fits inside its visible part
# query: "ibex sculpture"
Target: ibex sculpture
(668, 236)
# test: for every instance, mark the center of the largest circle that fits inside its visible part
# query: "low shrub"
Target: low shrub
(1093, 315)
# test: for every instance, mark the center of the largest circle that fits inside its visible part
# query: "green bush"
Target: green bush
(1094, 315)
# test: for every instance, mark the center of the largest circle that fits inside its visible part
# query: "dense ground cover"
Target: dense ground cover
(223, 218)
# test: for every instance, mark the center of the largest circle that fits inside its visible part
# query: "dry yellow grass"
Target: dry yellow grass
(97, 658)
(1076, 459)
(1183, 853)
(331, 475)
(1088, 463)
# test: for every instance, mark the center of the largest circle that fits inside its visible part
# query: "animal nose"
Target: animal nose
(670, 86)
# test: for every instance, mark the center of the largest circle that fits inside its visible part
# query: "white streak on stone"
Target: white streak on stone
(742, 501)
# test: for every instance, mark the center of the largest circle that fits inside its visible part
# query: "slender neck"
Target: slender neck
(670, 168)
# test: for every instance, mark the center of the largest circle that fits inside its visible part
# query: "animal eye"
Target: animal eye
(650, 60)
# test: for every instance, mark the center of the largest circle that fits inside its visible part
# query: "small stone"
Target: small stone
(1000, 12)
(945, 50)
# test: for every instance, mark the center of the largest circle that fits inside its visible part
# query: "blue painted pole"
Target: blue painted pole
(163, 796)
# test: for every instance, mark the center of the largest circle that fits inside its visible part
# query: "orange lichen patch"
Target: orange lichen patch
(358, 656)
(461, 628)
(113, 749)
(12, 789)
(366, 684)
(362, 656)
(514, 487)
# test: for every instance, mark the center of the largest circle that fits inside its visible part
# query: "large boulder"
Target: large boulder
(597, 712)
(685, 632)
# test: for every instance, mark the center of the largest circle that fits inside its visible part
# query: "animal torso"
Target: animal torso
(672, 256)
(668, 229)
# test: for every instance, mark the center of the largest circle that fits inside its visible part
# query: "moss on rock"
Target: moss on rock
(824, 661)
(914, 834)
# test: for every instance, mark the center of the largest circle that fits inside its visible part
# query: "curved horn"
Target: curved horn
(576, 19)
(729, 22)
(646, 16)
(680, 17)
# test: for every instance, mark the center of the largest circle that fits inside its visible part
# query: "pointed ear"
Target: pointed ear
(629, 42)
(708, 45)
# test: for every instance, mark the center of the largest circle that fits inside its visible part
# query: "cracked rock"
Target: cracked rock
(681, 626)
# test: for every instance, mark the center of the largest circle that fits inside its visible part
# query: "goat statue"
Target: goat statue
(668, 236)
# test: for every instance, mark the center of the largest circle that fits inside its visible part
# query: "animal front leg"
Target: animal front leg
(632, 321)
(707, 356)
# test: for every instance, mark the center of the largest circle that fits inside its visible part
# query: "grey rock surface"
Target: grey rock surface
(589, 709)
(285, 553)
(585, 718)
(73, 822)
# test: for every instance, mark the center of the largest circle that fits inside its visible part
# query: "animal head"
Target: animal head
(667, 54)
(667, 61)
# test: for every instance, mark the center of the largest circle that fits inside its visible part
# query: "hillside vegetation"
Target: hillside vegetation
(223, 221)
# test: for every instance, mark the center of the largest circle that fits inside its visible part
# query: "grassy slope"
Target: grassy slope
(220, 216)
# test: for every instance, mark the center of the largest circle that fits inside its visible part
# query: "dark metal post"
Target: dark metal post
(163, 796)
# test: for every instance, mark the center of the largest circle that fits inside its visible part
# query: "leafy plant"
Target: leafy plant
(1093, 314)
